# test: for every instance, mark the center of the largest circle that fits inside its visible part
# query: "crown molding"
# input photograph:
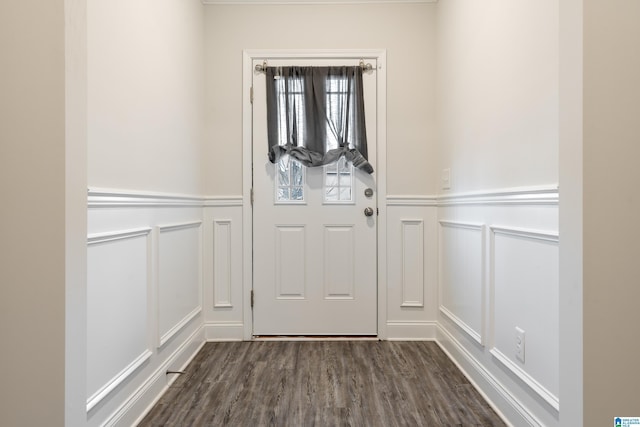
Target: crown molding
(316, 2)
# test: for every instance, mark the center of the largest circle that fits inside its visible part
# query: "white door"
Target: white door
(314, 248)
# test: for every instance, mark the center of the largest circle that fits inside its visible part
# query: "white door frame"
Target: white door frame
(249, 55)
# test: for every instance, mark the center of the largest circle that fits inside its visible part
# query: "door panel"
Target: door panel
(314, 250)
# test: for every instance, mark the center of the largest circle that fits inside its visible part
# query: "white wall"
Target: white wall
(611, 210)
(405, 30)
(76, 211)
(571, 211)
(498, 93)
(32, 173)
(498, 132)
(144, 293)
(146, 99)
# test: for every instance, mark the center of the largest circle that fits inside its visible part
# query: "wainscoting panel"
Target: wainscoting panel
(117, 287)
(449, 277)
(412, 250)
(222, 272)
(143, 297)
(179, 277)
(413, 263)
(516, 262)
(462, 276)
(524, 294)
(224, 297)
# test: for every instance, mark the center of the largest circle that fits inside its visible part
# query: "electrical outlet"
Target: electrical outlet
(446, 179)
(520, 344)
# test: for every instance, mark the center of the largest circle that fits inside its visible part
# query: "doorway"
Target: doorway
(315, 230)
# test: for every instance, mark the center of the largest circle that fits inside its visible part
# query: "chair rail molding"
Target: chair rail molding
(122, 198)
(534, 195)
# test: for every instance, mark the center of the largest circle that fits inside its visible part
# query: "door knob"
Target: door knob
(368, 212)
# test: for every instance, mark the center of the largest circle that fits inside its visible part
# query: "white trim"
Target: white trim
(97, 238)
(247, 187)
(266, 54)
(120, 198)
(285, 2)
(538, 195)
(311, 338)
(178, 326)
(224, 331)
(530, 234)
(179, 226)
(381, 183)
(534, 385)
(226, 201)
(399, 200)
(118, 379)
(411, 330)
(248, 56)
(534, 195)
(110, 198)
(403, 225)
(219, 267)
(157, 380)
(476, 336)
(491, 387)
(476, 226)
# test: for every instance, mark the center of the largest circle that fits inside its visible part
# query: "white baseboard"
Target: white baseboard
(507, 406)
(409, 330)
(224, 331)
(143, 399)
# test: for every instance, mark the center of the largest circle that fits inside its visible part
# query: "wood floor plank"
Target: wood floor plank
(321, 383)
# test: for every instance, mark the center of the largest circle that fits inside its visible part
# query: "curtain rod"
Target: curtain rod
(261, 68)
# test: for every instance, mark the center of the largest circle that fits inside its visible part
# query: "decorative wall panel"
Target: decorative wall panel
(179, 277)
(462, 276)
(524, 294)
(222, 270)
(413, 262)
(117, 286)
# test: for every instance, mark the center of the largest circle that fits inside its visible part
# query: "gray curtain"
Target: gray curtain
(316, 115)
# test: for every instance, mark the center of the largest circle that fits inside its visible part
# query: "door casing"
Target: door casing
(249, 56)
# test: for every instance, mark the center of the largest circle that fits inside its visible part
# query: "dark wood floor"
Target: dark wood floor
(322, 383)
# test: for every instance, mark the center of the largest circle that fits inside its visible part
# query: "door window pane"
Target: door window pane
(338, 182)
(289, 181)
